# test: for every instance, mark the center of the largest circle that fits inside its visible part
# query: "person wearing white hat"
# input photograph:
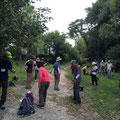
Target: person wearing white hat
(56, 68)
(94, 71)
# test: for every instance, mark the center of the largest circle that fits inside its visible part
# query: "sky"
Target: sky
(64, 12)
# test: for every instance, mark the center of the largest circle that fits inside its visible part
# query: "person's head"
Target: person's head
(74, 63)
(58, 59)
(108, 61)
(40, 64)
(7, 55)
(93, 63)
(38, 59)
(42, 58)
(88, 66)
(33, 57)
(101, 60)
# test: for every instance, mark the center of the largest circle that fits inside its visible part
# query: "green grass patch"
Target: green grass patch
(105, 99)
(20, 73)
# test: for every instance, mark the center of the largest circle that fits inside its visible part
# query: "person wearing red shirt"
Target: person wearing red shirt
(43, 84)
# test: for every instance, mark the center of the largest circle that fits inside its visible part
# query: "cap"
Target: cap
(8, 54)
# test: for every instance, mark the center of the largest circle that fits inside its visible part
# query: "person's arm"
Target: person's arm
(78, 73)
(10, 67)
(40, 78)
(59, 68)
(51, 69)
(12, 70)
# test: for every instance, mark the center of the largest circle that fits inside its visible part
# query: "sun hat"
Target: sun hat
(8, 54)
(93, 63)
(58, 59)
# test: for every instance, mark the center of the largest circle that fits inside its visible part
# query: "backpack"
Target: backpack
(26, 106)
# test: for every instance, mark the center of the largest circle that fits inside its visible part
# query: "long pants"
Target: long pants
(36, 74)
(102, 69)
(29, 80)
(57, 80)
(84, 72)
(109, 74)
(94, 80)
(4, 86)
(76, 92)
(43, 93)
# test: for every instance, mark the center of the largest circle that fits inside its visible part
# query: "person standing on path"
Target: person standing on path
(94, 71)
(56, 68)
(5, 64)
(76, 81)
(109, 69)
(29, 65)
(43, 84)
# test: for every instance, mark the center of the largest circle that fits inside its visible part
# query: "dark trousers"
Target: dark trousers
(57, 80)
(43, 93)
(94, 79)
(36, 74)
(76, 92)
(84, 72)
(4, 86)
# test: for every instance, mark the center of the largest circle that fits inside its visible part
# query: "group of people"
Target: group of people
(40, 72)
(103, 68)
(44, 80)
(43, 76)
(106, 68)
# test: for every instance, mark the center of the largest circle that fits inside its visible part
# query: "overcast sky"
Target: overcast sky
(64, 11)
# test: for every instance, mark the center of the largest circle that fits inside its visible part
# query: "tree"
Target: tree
(21, 24)
(76, 28)
(82, 48)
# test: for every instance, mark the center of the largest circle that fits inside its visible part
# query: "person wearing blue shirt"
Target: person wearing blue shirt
(5, 64)
(56, 68)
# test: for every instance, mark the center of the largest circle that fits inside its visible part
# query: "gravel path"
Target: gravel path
(52, 110)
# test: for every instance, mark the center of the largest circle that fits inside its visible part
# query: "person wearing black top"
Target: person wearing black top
(76, 81)
(5, 64)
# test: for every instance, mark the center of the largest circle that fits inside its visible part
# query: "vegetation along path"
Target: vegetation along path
(56, 107)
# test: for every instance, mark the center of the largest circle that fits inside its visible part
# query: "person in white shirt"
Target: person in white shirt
(109, 69)
(102, 65)
(94, 71)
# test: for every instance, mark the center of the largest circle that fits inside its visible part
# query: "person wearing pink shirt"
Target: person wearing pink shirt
(84, 69)
(43, 84)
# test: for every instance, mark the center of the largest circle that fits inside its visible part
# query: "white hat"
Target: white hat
(93, 63)
(109, 61)
(58, 59)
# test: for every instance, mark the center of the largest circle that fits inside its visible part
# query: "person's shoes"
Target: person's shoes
(76, 102)
(35, 80)
(40, 106)
(28, 87)
(2, 107)
(96, 86)
(57, 89)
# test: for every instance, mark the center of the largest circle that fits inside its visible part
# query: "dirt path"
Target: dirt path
(53, 110)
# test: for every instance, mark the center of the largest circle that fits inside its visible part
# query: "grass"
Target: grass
(105, 99)
(20, 73)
